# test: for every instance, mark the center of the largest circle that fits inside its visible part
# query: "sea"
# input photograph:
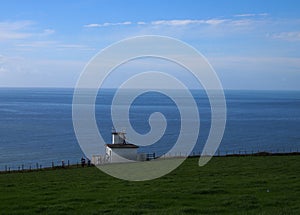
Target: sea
(36, 123)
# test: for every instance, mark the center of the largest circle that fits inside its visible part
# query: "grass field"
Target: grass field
(226, 185)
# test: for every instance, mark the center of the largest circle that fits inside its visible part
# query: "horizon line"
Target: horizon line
(113, 88)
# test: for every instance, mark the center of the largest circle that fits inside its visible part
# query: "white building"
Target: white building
(120, 151)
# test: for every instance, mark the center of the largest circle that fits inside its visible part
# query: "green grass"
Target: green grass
(226, 185)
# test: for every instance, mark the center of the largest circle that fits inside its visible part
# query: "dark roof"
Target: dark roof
(120, 145)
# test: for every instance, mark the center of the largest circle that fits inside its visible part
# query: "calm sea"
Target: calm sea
(36, 124)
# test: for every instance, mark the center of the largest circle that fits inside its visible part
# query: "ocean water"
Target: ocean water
(36, 123)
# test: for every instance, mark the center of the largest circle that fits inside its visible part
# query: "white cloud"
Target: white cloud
(245, 15)
(106, 24)
(250, 72)
(38, 44)
(14, 30)
(263, 14)
(182, 22)
(215, 21)
(242, 22)
(17, 25)
(26, 72)
(2, 62)
(53, 44)
(47, 32)
(288, 36)
(21, 30)
(92, 25)
(176, 22)
(74, 46)
(251, 14)
(250, 62)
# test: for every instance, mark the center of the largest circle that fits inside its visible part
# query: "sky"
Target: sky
(251, 44)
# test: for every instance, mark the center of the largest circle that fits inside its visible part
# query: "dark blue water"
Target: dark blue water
(36, 124)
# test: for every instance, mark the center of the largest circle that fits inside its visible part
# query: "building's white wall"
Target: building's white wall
(98, 159)
(119, 155)
(118, 138)
(142, 157)
(108, 154)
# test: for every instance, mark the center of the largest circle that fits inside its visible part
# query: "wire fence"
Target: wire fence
(99, 159)
(42, 165)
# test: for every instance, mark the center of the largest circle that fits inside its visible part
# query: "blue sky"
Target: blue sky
(251, 44)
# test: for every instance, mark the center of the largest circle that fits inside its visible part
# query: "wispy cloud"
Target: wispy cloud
(92, 25)
(176, 22)
(251, 14)
(14, 30)
(37, 44)
(107, 24)
(242, 22)
(47, 32)
(21, 30)
(17, 25)
(181, 22)
(235, 20)
(245, 15)
(287, 36)
(72, 46)
(53, 44)
(27, 72)
(252, 26)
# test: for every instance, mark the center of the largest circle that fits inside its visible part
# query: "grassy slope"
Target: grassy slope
(225, 185)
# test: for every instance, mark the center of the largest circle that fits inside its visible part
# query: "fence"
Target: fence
(98, 159)
(38, 166)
